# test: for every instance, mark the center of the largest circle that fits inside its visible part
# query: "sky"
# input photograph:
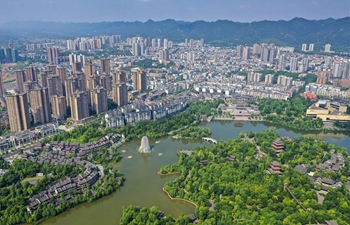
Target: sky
(186, 10)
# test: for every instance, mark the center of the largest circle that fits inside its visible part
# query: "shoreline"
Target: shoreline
(181, 199)
(168, 174)
(289, 127)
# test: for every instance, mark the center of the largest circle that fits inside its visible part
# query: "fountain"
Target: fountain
(145, 148)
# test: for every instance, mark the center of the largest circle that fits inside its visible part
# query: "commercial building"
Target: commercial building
(328, 110)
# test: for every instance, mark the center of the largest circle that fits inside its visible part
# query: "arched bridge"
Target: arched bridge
(211, 140)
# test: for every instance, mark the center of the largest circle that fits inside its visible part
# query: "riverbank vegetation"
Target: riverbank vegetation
(14, 193)
(81, 134)
(242, 190)
(133, 215)
(192, 132)
(152, 129)
(291, 113)
(161, 128)
(343, 125)
(105, 156)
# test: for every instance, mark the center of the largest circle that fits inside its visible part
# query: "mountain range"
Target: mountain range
(224, 32)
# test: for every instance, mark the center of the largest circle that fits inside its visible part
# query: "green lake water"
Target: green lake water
(143, 186)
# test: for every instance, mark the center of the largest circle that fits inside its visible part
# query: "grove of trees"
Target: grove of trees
(291, 113)
(244, 193)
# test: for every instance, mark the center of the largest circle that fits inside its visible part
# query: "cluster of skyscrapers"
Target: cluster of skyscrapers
(55, 94)
(8, 55)
(84, 44)
(304, 48)
(269, 53)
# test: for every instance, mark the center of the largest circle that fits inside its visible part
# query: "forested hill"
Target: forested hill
(292, 32)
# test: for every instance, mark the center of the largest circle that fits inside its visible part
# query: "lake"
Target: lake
(143, 186)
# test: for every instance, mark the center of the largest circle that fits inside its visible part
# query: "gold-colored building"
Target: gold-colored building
(18, 111)
(328, 110)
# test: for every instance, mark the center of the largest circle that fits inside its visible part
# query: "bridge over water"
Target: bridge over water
(209, 139)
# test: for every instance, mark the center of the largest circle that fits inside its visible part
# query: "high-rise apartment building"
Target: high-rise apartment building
(18, 111)
(89, 69)
(120, 94)
(239, 50)
(304, 47)
(40, 105)
(59, 106)
(106, 81)
(77, 67)
(70, 45)
(53, 54)
(55, 86)
(272, 55)
(163, 55)
(119, 76)
(79, 107)
(254, 77)
(99, 100)
(51, 69)
(31, 74)
(20, 79)
(282, 63)
(62, 73)
(136, 49)
(284, 81)
(294, 64)
(327, 48)
(311, 47)
(264, 56)
(256, 49)
(246, 53)
(71, 88)
(153, 43)
(269, 78)
(105, 66)
(139, 79)
(2, 88)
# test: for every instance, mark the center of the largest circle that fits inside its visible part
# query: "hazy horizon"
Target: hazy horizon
(179, 10)
(163, 20)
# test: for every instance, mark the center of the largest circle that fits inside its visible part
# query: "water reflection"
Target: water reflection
(143, 186)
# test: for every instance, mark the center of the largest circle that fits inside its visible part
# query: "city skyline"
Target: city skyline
(143, 10)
